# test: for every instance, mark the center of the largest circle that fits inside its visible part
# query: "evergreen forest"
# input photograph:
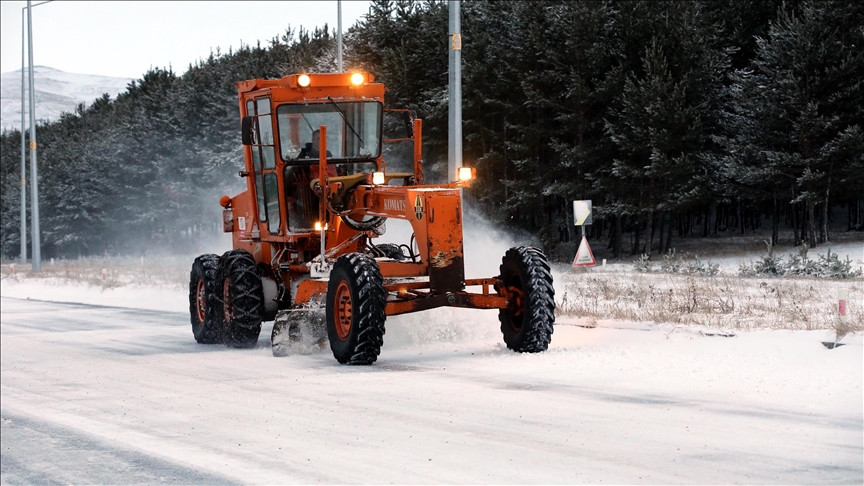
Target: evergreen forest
(678, 119)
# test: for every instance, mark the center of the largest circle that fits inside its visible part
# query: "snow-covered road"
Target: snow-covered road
(110, 395)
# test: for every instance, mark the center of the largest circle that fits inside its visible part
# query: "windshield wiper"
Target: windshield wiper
(307, 122)
(362, 143)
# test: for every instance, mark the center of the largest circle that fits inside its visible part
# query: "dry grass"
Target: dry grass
(170, 271)
(719, 301)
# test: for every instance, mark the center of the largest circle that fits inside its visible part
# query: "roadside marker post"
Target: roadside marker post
(583, 216)
(842, 298)
(840, 327)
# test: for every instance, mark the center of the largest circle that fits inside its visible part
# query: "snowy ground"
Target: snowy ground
(102, 382)
(110, 395)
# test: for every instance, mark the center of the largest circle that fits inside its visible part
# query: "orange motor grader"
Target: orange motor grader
(317, 197)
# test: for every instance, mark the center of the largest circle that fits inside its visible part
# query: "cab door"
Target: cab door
(264, 165)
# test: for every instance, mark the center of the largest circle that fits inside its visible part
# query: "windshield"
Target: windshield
(353, 130)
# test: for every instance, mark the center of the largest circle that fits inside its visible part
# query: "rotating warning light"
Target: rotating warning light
(466, 173)
(304, 80)
(357, 79)
(377, 178)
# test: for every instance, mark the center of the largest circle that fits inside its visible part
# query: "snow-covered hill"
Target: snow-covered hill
(56, 92)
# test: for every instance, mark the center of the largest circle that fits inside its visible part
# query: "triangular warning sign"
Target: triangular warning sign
(584, 257)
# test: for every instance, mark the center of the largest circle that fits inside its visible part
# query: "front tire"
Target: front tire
(527, 324)
(240, 299)
(202, 305)
(355, 309)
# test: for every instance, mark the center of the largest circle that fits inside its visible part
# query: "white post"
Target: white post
(339, 35)
(454, 159)
(842, 298)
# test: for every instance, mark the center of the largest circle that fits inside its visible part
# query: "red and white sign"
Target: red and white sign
(842, 297)
(584, 257)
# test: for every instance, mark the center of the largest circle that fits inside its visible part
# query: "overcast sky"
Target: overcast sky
(125, 39)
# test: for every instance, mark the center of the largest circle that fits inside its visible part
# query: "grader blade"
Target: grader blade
(298, 331)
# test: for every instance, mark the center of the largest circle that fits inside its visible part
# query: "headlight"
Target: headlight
(466, 173)
(377, 178)
(356, 79)
(304, 80)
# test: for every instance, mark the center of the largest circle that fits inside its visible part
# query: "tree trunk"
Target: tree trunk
(616, 248)
(660, 249)
(811, 223)
(775, 222)
(672, 217)
(802, 223)
(794, 213)
(650, 228)
(823, 233)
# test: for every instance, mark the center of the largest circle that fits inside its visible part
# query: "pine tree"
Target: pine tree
(798, 107)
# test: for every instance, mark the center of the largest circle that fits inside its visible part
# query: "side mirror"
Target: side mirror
(248, 131)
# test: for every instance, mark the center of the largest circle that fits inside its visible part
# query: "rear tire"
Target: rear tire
(355, 309)
(240, 299)
(527, 324)
(202, 305)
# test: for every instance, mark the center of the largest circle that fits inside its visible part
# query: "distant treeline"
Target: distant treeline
(682, 118)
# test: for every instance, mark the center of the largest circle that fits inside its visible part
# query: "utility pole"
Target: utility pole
(23, 132)
(339, 35)
(454, 132)
(23, 149)
(34, 171)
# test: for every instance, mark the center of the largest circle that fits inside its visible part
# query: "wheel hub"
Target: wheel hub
(200, 301)
(344, 311)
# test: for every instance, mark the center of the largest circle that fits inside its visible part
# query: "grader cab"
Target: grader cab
(304, 230)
